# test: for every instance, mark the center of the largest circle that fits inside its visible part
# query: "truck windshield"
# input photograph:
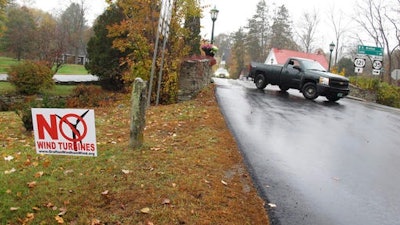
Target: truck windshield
(313, 65)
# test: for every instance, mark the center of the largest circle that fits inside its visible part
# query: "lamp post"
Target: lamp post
(331, 47)
(214, 15)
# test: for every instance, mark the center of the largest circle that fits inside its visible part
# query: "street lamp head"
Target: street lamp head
(214, 13)
(331, 46)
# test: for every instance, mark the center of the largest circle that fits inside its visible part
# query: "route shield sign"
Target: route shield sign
(370, 50)
(359, 62)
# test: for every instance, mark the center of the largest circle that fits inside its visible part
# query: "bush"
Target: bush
(30, 77)
(388, 95)
(367, 83)
(86, 96)
(24, 112)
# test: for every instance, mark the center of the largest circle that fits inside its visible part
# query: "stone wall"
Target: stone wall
(366, 95)
(195, 74)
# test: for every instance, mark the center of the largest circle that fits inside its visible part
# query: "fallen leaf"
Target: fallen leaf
(59, 219)
(49, 205)
(27, 162)
(105, 192)
(34, 208)
(8, 191)
(126, 171)
(63, 211)
(39, 174)
(14, 208)
(68, 171)
(224, 182)
(10, 171)
(46, 163)
(30, 216)
(145, 210)
(166, 201)
(32, 184)
(8, 158)
(95, 222)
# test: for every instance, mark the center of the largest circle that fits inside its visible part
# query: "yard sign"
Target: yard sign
(64, 131)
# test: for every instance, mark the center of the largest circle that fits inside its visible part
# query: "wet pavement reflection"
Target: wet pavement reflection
(318, 162)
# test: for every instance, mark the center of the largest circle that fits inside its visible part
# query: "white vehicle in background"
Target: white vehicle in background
(222, 73)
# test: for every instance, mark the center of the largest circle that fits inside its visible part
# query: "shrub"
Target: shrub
(388, 95)
(30, 77)
(85, 96)
(365, 82)
(23, 109)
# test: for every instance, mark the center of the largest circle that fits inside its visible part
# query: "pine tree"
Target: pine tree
(237, 64)
(281, 30)
(258, 32)
(104, 60)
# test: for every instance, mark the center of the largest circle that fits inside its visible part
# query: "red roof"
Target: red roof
(281, 55)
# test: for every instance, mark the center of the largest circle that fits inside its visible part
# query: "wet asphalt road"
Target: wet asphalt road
(320, 163)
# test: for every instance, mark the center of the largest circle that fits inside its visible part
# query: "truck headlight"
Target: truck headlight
(324, 81)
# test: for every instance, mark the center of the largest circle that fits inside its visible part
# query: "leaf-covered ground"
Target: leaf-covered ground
(189, 171)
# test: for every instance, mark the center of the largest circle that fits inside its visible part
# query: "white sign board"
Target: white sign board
(376, 72)
(64, 131)
(358, 69)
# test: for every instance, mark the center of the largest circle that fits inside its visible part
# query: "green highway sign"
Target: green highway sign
(369, 50)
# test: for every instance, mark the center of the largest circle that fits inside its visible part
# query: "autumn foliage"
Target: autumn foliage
(136, 36)
(31, 77)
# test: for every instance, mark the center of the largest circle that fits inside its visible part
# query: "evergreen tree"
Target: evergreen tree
(237, 62)
(258, 32)
(281, 30)
(192, 25)
(104, 60)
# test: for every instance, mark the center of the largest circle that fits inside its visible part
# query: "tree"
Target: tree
(21, 27)
(192, 26)
(72, 28)
(307, 29)
(3, 4)
(46, 39)
(281, 31)
(340, 29)
(104, 60)
(137, 34)
(237, 61)
(346, 65)
(258, 32)
(374, 19)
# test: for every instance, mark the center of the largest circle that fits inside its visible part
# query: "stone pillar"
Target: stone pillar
(138, 113)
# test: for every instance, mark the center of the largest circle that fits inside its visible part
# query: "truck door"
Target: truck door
(292, 74)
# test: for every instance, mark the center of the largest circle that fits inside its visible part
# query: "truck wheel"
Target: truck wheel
(260, 81)
(310, 91)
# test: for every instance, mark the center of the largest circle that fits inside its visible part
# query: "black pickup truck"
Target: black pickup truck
(305, 75)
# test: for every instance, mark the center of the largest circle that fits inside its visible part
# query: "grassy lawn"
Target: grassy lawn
(58, 90)
(72, 69)
(189, 171)
(6, 62)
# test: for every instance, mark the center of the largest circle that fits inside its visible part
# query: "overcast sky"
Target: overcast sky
(94, 7)
(233, 14)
